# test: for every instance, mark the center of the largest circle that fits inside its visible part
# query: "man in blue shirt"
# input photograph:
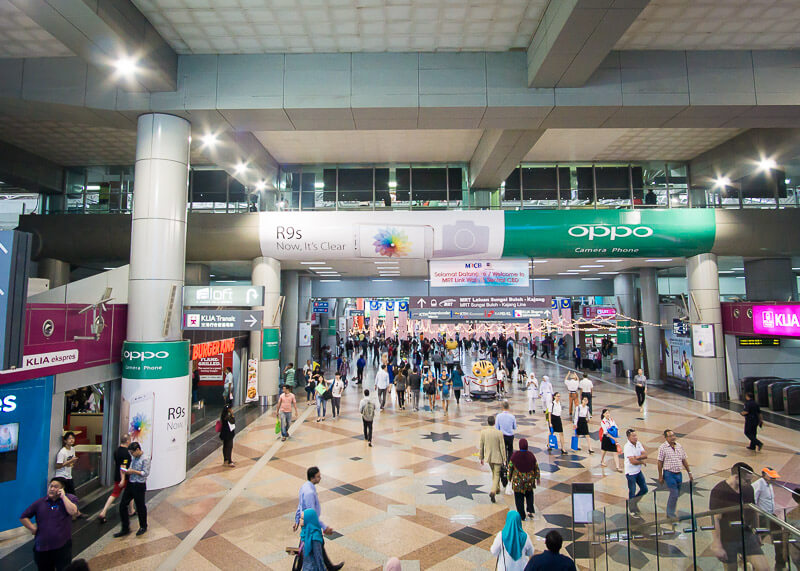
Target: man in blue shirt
(507, 424)
(551, 560)
(360, 364)
(135, 489)
(310, 499)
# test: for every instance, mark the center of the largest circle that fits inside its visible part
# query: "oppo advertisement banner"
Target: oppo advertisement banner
(503, 273)
(487, 235)
(155, 402)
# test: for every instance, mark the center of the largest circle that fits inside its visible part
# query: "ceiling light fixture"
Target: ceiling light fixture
(377, 280)
(609, 261)
(540, 279)
(329, 281)
(319, 185)
(592, 266)
(659, 260)
(767, 164)
(209, 140)
(722, 182)
(261, 185)
(240, 167)
(93, 187)
(608, 273)
(539, 261)
(591, 279)
(318, 268)
(126, 66)
(578, 271)
(392, 184)
(313, 263)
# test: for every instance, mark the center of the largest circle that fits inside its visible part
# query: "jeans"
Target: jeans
(382, 397)
(633, 481)
(336, 403)
(286, 421)
(133, 491)
(415, 398)
(367, 429)
(520, 498)
(401, 398)
(321, 404)
(673, 480)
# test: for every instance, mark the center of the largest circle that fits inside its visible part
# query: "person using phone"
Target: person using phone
(52, 546)
(134, 491)
(65, 460)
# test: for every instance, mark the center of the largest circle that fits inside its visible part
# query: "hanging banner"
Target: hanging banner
(402, 325)
(251, 393)
(498, 273)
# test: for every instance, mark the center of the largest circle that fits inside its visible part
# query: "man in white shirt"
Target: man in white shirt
(571, 381)
(635, 457)
(585, 387)
(227, 388)
(382, 384)
(764, 494)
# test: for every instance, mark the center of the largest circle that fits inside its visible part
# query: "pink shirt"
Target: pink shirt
(285, 402)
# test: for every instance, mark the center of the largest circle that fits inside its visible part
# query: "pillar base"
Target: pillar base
(710, 397)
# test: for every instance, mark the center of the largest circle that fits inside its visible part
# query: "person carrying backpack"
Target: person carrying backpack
(367, 410)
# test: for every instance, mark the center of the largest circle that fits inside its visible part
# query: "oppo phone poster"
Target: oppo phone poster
(155, 406)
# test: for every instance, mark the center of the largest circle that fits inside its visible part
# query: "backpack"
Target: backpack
(369, 410)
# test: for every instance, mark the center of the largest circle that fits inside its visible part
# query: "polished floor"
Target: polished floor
(420, 492)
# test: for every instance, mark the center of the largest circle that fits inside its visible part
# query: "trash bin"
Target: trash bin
(618, 368)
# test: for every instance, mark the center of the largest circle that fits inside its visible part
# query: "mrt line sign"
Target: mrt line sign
(15, 248)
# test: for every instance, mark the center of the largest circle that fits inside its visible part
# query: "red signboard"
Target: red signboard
(210, 368)
(212, 348)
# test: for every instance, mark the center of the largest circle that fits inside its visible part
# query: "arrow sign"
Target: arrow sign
(222, 320)
(421, 302)
(251, 322)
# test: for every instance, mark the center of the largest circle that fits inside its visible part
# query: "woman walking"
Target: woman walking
(554, 420)
(312, 542)
(523, 473)
(512, 546)
(580, 422)
(400, 385)
(444, 389)
(640, 384)
(457, 378)
(336, 395)
(608, 442)
(430, 387)
(321, 389)
(226, 433)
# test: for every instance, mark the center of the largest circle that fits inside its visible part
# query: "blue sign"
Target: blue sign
(374, 305)
(561, 302)
(320, 307)
(389, 305)
(680, 327)
(24, 445)
(402, 305)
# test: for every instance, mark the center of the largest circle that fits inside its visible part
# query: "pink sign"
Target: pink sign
(598, 311)
(777, 320)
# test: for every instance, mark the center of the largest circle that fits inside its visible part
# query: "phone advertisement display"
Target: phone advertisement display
(678, 357)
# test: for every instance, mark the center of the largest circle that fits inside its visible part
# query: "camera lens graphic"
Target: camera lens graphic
(464, 239)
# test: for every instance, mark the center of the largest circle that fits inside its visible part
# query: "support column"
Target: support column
(54, 270)
(770, 280)
(652, 334)
(702, 275)
(289, 285)
(333, 323)
(627, 338)
(155, 361)
(303, 314)
(265, 344)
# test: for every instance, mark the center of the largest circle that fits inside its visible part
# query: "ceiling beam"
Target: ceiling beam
(574, 37)
(498, 153)
(242, 148)
(103, 31)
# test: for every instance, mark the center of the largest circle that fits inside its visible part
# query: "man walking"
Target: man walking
(360, 364)
(764, 495)
(288, 376)
(752, 421)
(283, 411)
(227, 388)
(52, 546)
(310, 500)
(367, 409)
(576, 354)
(492, 449)
(635, 457)
(551, 559)
(585, 387)
(382, 384)
(572, 383)
(671, 460)
(507, 425)
(414, 383)
(134, 490)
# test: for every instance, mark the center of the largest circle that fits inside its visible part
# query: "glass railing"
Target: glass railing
(708, 523)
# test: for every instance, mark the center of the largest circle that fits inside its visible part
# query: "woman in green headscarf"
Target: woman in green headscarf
(311, 536)
(512, 546)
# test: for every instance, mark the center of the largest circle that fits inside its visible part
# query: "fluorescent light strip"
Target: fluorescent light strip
(610, 261)
(385, 263)
(329, 281)
(540, 279)
(592, 266)
(591, 279)
(381, 280)
(726, 271)
(566, 274)
(539, 261)
(659, 260)
(578, 271)
(321, 268)
(608, 273)
(313, 263)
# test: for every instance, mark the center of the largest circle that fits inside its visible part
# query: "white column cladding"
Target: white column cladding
(652, 334)
(289, 285)
(702, 276)
(155, 365)
(158, 227)
(625, 295)
(303, 314)
(333, 312)
(267, 273)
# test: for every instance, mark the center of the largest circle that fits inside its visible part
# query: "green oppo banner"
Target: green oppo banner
(270, 344)
(156, 360)
(618, 233)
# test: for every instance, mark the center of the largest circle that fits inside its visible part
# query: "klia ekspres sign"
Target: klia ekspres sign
(777, 320)
(488, 235)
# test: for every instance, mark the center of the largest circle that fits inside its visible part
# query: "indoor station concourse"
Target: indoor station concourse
(222, 222)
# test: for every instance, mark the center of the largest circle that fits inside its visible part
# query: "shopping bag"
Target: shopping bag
(509, 490)
(278, 426)
(552, 442)
(613, 432)
(574, 442)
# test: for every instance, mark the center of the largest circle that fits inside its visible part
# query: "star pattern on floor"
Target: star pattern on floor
(440, 436)
(452, 490)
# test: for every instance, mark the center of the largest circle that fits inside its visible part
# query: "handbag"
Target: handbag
(218, 426)
(327, 395)
(574, 443)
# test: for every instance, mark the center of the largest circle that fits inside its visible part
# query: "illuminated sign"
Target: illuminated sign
(759, 342)
(211, 348)
(777, 320)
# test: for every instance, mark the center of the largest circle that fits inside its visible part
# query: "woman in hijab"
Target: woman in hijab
(523, 473)
(512, 546)
(311, 536)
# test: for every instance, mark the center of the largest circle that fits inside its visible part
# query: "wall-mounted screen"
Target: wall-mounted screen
(9, 443)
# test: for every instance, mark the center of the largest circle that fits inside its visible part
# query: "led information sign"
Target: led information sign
(759, 341)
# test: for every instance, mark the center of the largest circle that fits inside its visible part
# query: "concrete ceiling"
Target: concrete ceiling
(22, 37)
(626, 144)
(325, 26)
(714, 25)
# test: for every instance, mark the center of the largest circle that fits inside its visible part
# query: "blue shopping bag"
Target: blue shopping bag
(552, 442)
(613, 432)
(575, 442)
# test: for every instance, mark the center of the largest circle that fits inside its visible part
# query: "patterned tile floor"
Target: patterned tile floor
(420, 492)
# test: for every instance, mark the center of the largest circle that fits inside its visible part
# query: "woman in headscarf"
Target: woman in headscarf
(311, 536)
(523, 473)
(512, 546)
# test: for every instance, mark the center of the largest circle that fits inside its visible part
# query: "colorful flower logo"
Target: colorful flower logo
(139, 427)
(392, 242)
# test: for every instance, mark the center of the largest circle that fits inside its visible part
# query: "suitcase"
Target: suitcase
(761, 387)
(775, 394)
(791, 399)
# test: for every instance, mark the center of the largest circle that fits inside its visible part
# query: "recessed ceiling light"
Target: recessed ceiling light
(209, 140)
(375, 280)
(313, 263)
(767, 164)
(578, 271)
(385, 263)
(540, 279)
(738, 269)
(109, 268)
(726, 271)
(318, 268)
(329, 274)
(608, 273)
(261, 185)
(329, 281)
(539, 261)
(592, 266)
(796, 269)
(565, 274)
(240, 167)
(126, 66)
(93, 187)
(740, 277)
(610, 261)
(392, 184)
(319, 185)
(588, 279)
(659, 260)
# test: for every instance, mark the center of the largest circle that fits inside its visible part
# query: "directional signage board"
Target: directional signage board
(222, 320)
(488, 314)
(15, 248)
(223, 296)
(481, 302)
(320, 307)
